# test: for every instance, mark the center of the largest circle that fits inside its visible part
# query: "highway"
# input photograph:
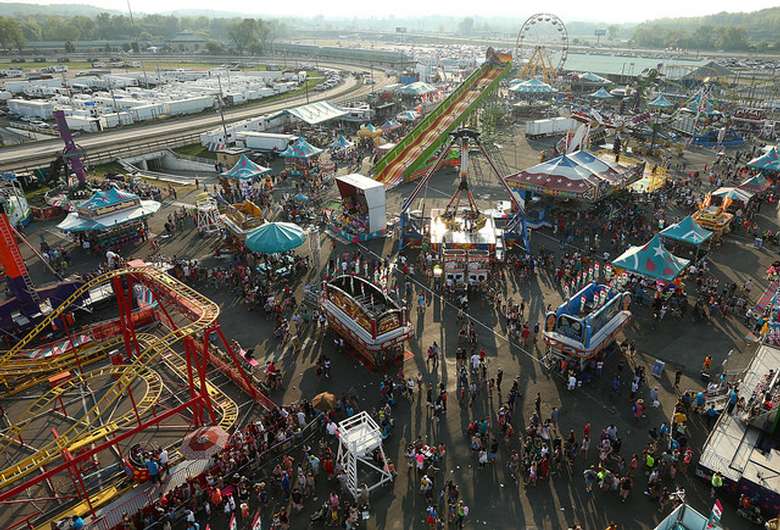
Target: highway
(41, 153)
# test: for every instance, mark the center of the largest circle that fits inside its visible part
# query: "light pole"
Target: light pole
(221, 113)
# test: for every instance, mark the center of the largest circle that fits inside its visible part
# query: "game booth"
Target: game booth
(243, 173)
(109, 219)
(362, 210)
(687, 237)
(373, 324)
(300, 158)
(583, 326)
(240, 219)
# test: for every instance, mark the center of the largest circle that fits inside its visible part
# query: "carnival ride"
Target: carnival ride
(462, 231)
(132, 361)
(373, 324)
(541, 48)
(585, 324)
(416, 149)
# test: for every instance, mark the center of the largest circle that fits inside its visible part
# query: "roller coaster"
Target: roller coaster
(125, 363)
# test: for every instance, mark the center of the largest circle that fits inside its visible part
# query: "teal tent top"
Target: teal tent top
(601, 93)
(340, 143)
(756, 184)
(407, 115)
(300, 148)
(390, 125)
(272, 238)
(661, 102)
(245, 169)
(418, 88)
(532, 86)
(369, 127)
(769, 161)
(107, 198)
(694, 103)
(651, 260)
(687, 231)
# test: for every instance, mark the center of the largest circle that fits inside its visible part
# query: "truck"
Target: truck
(262, 141)
(549, 127)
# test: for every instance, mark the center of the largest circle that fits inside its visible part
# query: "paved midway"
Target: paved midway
(27, 155)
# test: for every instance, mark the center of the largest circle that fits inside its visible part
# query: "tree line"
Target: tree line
(241, 34)
(756, 31)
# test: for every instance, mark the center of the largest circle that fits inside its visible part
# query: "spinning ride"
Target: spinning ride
(542, 47)
(464, 240)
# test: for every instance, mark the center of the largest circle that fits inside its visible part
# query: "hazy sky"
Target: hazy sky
(568, 10)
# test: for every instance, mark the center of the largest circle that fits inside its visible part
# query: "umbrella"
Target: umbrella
(202, 443)
(324, 401)
(301, 197)
(272, 238)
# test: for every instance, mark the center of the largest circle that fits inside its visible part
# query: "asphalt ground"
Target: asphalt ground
(495, 501)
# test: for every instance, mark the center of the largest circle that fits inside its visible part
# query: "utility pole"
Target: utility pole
(222, 114)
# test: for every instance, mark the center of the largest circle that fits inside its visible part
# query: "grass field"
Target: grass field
(196, 150)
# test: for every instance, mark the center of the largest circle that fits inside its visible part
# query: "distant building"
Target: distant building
(187, 41)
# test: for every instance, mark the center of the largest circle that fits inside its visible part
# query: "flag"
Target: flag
(257, 524)
(233, 524)
(715, 515)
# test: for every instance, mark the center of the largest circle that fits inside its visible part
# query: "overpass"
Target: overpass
(110, 145)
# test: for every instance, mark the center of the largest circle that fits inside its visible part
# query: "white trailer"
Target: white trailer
(262, 141)
(188, 105)
(549, 127)
(31, 109)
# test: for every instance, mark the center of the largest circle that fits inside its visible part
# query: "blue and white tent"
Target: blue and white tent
(532, 86)
(687, 231)
(601, 93)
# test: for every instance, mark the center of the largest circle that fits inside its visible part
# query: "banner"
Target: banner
(715, 515)
(257, 524)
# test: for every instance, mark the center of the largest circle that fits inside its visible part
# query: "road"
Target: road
(28, 155)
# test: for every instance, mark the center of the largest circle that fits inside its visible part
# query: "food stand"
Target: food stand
(362, 214)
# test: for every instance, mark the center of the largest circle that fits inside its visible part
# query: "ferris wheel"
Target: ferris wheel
(542, 47)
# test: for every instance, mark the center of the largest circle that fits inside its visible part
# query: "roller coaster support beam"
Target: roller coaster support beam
(232, 353)
(75, 474)
(190, 354)
(202, 367)
(88, 453)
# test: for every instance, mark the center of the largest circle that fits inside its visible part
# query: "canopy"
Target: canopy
(694, 103)
(245, 169)
(340, 143)
(769, 161)
(318, 112)
(106, 199)
(660, 102)
(578, 175)
(601, 93)
(418, 88)
(756, 184)
(733, 194)
(272, 238)
(390, 125)
(203, 443)
(532, 86)
(590, 77)
(687, 231)
(74, 222)
(300, 148)
(652, 260)
(407, 115)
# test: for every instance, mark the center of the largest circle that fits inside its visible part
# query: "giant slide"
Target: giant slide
(414, 151)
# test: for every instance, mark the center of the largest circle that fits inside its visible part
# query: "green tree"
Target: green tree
(69, 47)
(613, 31)
(215, 47)
(732, 38)
(11, 35)
(244, 35)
